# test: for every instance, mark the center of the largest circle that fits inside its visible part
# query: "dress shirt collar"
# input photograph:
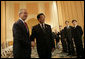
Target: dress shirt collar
(75, 26)
(21, 20)
(67, 26)
(41, 25)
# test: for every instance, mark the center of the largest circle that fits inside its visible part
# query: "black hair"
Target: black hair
(66, 21)
(74, 20)
(38, 16)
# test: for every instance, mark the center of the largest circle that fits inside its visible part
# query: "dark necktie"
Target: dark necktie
(26, 26)
(43, 27)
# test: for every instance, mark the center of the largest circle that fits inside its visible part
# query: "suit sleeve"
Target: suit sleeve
(32, 35)
(64, 32)
(80, 30)
(72, 31)
(52, 40)
(18, 35)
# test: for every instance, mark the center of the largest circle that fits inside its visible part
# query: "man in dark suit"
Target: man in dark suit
(68, 36)
(43, 34)
(77, 34)
(21, 42)
(57, 39)
(63, 40)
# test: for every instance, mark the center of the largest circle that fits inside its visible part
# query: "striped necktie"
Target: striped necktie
(26, 26)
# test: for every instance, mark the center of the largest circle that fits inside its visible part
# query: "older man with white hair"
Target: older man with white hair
(21, 42)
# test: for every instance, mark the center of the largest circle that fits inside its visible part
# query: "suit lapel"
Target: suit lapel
(23, 26)
(39, 27)
(44, 30)
(45, 26)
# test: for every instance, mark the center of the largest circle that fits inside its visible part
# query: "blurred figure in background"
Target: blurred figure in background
(77, 34)
(68, 37)
(57, 38)
(63, 40)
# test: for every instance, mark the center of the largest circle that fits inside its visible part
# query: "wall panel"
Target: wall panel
(71, 10)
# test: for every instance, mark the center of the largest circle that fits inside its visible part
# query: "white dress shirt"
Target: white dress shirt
(75, 26)
(21, 20)
(68, 26)
(43, 25)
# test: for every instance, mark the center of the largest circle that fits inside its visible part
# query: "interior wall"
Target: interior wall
(69, 10)
(3, 19)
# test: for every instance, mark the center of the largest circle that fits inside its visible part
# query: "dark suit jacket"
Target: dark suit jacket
(62, 34)
(54, 35)
(44, 38)
(57, 37)
(77, 32)
(68, 32)
(21, 42)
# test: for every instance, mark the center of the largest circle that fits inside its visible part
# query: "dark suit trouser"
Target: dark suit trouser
(64, 45)
(44, 54)
(26, 54)
(57, 41)
(17, 56)
(79, 46)
(70, 46)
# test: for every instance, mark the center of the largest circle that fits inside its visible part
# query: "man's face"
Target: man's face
(60, 27)
(67, 23)
(42, 19)
(24, 14)
(74, 23)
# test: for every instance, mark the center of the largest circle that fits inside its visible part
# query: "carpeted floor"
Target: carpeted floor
(56, 54)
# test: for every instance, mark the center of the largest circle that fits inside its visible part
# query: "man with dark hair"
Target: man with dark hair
(57, 39)
(38, 16)
(68, 37)
(74, 21)
(63, 40)
(77, 34)
(43, 34)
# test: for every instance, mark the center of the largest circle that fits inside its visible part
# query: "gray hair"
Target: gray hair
(20, 11)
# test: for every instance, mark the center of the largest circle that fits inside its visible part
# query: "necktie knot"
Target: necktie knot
(43, 26)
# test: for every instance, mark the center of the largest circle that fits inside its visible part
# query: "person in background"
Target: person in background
(53, 35)
(57, 38)
(68, 37)
(63, 40)
(77, 34)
